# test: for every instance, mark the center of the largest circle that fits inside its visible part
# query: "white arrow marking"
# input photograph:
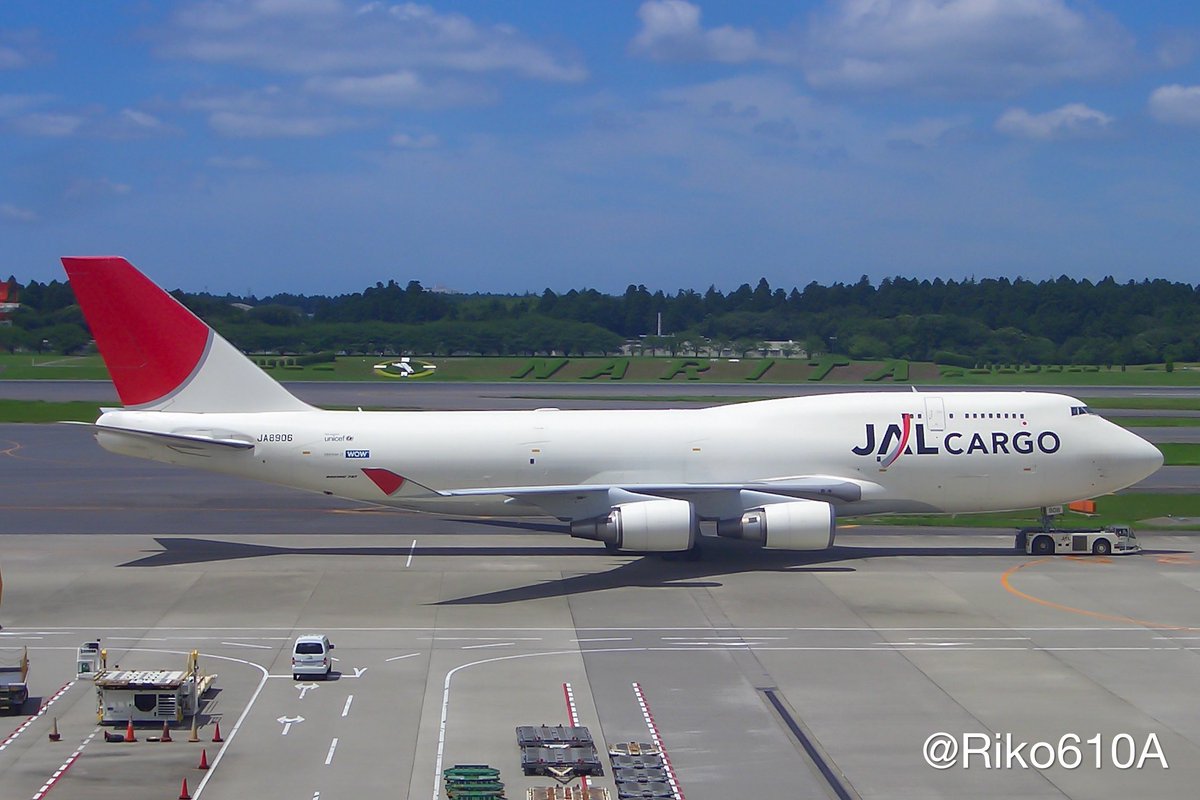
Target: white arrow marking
(358, 671)
(304, 688)
(288, 722)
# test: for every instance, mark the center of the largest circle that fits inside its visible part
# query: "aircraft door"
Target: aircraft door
(935, 414)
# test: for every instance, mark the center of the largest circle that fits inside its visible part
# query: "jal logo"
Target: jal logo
(908, 438)
(358, 454)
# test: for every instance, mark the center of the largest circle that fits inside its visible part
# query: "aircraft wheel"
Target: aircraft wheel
(1102, 547)
(1043, 546)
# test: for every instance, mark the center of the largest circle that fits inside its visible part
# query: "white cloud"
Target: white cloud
(13, 104)
(1175, 104)
(15, 214)
(266, 113)
(928, 132)
(51, 125)
(100, 187)
(315, 37)
(961, 46)
(1071, 121)
(671, 31)
(408, 141)
(25, 116)
(241, 125)
(404, 88)
(241, 163)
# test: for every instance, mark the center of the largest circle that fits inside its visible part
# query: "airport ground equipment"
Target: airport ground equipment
(1109, 540)
(14, 674)
(89, 659)
(560, 751)
(473, 782)
(573, 792)
(638, 770)
(151, 695)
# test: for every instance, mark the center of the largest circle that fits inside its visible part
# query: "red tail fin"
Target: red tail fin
(159, 354)
(150, 343)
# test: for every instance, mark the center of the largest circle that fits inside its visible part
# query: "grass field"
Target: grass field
(681, 369)
(1132, 509)
(1155, 422)
(43, 411)
(1145, 403)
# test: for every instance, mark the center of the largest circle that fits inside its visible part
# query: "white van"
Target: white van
(311, 656)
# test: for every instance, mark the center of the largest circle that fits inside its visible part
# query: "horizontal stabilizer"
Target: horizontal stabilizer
(180, 441)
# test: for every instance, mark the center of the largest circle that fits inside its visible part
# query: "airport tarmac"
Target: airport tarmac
(452, 632)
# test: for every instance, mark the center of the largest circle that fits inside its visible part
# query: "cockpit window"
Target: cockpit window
(1079, 410)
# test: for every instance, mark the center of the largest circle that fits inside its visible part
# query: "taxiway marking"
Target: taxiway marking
(34, 717)
(1006, 582)
(66, 765)
(652, 727)
(288, 722)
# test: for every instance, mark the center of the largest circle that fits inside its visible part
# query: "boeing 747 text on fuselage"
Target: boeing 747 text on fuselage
(778, 472)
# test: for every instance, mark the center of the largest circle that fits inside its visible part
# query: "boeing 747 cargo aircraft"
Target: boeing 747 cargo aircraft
(776, 472)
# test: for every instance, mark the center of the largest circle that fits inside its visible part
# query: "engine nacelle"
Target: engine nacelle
(647, 526)
(797, 525)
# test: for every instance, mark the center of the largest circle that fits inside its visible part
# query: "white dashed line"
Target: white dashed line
(346, 708)
(246, 644)
(493, 644)
(411, 550)
(34, 718)
(401, 658)
(329, 755)
(66, 765)
(652, 727)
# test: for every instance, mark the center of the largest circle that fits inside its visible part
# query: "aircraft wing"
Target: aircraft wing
(584, 501)
(810, 488)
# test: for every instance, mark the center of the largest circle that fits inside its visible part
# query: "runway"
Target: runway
(452, 632)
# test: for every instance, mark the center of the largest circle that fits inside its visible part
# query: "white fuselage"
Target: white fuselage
(965, 451)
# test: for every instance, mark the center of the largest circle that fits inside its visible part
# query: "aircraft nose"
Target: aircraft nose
(1141, 459)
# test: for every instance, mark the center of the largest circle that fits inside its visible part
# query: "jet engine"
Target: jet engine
(646, 526)
(796, 525)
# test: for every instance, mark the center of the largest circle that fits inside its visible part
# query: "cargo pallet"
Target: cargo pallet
(560, 751)
(473, 782)
(638, 771)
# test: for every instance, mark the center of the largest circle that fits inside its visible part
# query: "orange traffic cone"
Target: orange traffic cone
(203, 760)
(54, 734)
(129, 737)
(166, 734)
(217, 732)
(183, 792)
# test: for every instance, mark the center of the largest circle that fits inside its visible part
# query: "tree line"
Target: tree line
(963, 323)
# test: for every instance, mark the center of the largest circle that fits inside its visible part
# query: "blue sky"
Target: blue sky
(323, 145)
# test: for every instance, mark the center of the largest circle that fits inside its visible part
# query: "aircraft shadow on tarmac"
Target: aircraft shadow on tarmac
(721, 558)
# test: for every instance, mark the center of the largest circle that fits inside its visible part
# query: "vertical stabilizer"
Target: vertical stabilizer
(161, 356)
